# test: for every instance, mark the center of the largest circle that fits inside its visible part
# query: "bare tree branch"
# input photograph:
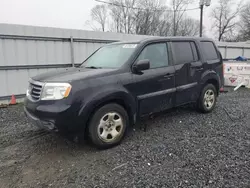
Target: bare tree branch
(99, 14)
(179, 8)
(225, 17)
(146, 17)
(244, 33)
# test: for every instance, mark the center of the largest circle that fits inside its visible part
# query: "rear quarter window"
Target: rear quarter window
(209, 50)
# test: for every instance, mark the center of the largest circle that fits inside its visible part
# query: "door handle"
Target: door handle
(168, 75)
(197, 68)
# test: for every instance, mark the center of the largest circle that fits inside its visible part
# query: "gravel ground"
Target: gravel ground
(181, 148)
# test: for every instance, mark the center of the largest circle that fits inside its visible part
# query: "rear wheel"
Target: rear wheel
(108, 126)
(208, 99)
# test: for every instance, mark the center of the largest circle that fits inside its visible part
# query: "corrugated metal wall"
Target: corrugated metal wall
(26, 51)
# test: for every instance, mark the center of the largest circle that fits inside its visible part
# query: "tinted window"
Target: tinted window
(195, 53)
(157, 54)
(183, 52)
(209, 50)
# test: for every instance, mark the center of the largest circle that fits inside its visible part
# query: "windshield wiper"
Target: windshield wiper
(93, 67)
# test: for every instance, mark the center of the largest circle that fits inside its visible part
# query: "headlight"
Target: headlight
(55, 91)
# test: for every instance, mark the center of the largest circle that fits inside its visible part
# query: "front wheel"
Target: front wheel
(208, 99)
(108, 126)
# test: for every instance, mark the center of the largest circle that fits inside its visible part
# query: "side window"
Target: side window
(209, 51)
(195, 53)
(157, 54)
(183, 52)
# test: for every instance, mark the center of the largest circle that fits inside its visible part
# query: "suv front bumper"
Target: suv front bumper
(48, 125)
(56, 116)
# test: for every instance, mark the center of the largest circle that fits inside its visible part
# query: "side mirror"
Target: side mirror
(141, 65)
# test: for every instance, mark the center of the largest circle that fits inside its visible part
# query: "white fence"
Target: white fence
(26, 51)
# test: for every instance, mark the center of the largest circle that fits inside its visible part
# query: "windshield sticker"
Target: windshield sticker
(129, 45)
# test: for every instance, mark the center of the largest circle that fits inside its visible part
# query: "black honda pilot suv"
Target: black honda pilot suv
(123, 81)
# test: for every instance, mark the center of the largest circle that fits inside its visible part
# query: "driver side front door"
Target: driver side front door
(155, 87)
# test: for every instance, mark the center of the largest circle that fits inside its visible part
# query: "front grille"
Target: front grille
(35, 90)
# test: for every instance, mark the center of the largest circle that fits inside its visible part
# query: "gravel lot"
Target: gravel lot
(181, 148)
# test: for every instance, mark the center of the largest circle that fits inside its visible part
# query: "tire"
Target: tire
(108, 126)
(208, 98)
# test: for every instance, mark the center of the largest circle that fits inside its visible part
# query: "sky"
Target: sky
(71, 14)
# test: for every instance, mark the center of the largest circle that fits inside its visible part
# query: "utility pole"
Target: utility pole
(202, 3)
(201, 19)
(174, 28)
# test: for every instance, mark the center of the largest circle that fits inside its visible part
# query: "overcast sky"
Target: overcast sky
(64, 13)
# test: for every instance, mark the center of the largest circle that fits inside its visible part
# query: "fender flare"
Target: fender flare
(210, 75)
(108, 95)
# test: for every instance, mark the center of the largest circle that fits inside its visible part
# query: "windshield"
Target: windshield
(110, 56)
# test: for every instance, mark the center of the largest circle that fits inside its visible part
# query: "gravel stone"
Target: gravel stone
(180, 148)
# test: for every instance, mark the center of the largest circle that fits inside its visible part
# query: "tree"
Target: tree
(225, 18)
(121, 13)
(245, 23)
(150, 18)
(166, 24)
(145, 17)
(188, 27)
(99, 14)
(136, 16)
(179, 8)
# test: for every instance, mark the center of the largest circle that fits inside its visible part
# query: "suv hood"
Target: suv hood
(70, 74)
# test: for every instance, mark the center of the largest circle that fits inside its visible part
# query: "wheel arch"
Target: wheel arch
(210, 77)
(213, 82)
(121, 98)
